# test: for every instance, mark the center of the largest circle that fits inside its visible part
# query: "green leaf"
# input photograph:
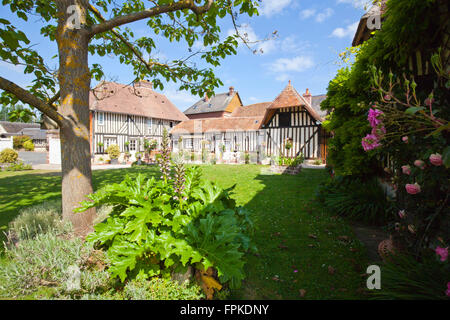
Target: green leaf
(446, 157)
(414, 110)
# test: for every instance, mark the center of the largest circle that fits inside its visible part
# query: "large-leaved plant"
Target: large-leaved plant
(153, 231)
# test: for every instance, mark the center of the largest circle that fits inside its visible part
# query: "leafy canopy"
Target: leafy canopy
(138, 52)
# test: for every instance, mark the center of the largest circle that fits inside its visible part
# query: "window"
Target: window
(189, 143)
(132, 145)
(149, 126)
(284, 119)
(109, 141)
(101, 119)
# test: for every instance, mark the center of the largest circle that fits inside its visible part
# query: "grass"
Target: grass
(304, 253)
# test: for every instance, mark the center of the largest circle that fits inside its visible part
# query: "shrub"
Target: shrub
(290, 162)
(357, 199)
(404, 277)
(18, 141)
(18, 166)
(41, 261)
(153, 230)
(28, 145)
(161, 289)
(38, 268)
(37, 219)
(8, 156)
(247, 157)
(113, 151)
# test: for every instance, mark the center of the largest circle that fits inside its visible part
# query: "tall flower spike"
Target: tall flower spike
(164, 161)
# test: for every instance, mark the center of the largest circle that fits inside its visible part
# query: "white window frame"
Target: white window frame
(109, 141)
(101, 116)
(133, 145)
(189, 143)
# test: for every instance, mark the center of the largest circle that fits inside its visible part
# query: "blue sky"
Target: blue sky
(310, 36)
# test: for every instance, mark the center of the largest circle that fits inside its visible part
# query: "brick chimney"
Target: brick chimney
(308, 97)
(230, 93)
(206, 99)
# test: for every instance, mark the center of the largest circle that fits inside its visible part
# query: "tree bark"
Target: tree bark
(74, 81)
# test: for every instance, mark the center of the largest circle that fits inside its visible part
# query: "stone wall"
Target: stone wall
(286, 170)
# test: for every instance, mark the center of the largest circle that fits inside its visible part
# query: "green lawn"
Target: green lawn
(300, 247)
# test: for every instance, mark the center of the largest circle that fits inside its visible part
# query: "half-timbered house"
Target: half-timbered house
(295, 119)
(126, 115)
(263, 128)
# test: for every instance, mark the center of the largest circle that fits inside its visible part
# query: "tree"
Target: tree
(80, 29)
(17, 114)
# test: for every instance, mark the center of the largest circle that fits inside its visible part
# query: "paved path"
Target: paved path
(57, 167)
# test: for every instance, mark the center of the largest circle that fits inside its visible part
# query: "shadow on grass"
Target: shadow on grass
(24, 189)
(299, 247)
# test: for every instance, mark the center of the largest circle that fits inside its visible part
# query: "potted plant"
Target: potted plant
(114, 153)
(138, 156)
(127, 156)
(100, 147)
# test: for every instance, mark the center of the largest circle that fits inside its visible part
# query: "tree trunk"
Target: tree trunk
(74, 81)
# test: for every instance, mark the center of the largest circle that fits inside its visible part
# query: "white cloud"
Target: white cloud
(182, 99)
(307, 13)
(348, 31)
(319, 16)
(356, 3)
(282, 77)
(272, 7)
(296, 64)
(322, 16)
(254, 41)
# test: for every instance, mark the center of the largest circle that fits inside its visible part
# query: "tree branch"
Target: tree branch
(136, 52)
(26, 97)
(157, 10)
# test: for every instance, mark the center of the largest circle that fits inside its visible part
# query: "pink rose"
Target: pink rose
(402, 214)
(447, 292)
(370, 142)
(413, 188)
(436, 159)
(406, 170)
(405, 139)
(420, 164)
(442, 252)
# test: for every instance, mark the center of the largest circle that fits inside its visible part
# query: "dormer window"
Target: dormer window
(101, 119)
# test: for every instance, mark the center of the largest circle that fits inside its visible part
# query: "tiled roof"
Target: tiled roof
(315, 103)
(218, 125)
(362, 32)
(137, 100)
(253, 110)
(216, 103)
(16, 127)
(289, 97)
